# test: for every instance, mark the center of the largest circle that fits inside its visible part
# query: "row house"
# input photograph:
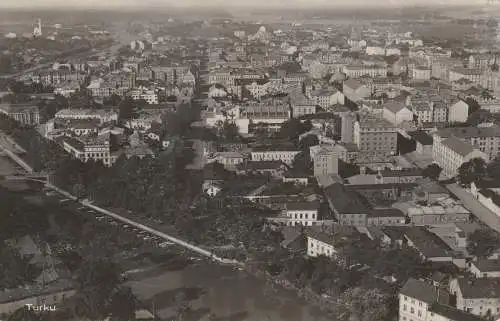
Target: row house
(150, 96)
(356, 71)
(300, 214)
(103, 116)
(170, 74)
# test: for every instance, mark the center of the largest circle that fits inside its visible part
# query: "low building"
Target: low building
(436, 214)
(386, 217)
(428, 245)
(26, 114)
(102, 115)
(272, 168)
(274, 154)
(304, 213)
(415, 299)
(480, 297)
(485, 268)
(327, 242)
(423, 142)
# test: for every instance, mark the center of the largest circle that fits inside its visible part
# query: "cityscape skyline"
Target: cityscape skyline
(226, 3)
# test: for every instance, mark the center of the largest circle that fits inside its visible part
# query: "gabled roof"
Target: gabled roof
(395, 107)
(458, 146)
(419, 290)
(487, 288)
(484, 265)
(352, 83)
(452, 313)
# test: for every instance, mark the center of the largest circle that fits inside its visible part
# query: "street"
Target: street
(482, 213)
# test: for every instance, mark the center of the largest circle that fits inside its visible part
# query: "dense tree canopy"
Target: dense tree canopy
(482, 243)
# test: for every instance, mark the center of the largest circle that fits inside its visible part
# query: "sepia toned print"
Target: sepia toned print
(249, 161)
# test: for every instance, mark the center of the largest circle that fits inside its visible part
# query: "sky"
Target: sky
(212, 3)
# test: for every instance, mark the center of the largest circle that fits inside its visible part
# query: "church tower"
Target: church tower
(37, 32)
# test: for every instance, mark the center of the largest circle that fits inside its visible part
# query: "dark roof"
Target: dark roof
(345, 201)
(427, 243)
(264, 165)
(407, 186)
(487, 183)
(302, 206)
(419, 290)
(479, 288)
(352, 83)
(458, 146)
(422, 137)
(452, 313)
(386, 212)
(402, 172)
(395, 233)
(484, 265)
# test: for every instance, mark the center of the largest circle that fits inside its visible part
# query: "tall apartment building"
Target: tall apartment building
(347, 127)
(375, 137)
(485, 139)
(472, 74)
(325, 159)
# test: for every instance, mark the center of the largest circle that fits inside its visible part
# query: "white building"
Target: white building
(397, 113)
(103, 115)
(286, 156)
(320, 244)
(415, 298)
(305, 214)
(86, 148)
(458, 112)
(150, 96)
(452, 152)
(480, 297)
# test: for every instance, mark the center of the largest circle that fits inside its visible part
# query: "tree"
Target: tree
(127, 110)
(471, 171)
(365, 304)
(478, 117)
(308, 141)
(483, 242)
(487, 94)
(473, 105)
(302, 162)
(123, 305)
(432, 171)
(14, 269)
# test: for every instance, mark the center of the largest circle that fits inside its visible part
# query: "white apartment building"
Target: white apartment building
(356, 71)
(80, 114)
(320, 244)
(480, 297)
(485, 139)
(325, 159)
(452, 152)
(85, 148)
(421, 73)
(415, 298)
(397, 113)
(150, 96)
(418, 301)
(286, 156)
(325, 97)
(305, 214)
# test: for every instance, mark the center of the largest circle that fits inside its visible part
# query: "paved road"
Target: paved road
(485, 215)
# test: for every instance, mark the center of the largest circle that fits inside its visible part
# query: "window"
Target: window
(412, 310)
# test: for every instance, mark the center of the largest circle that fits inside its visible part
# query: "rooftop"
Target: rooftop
(484, 265)
(346, 201)
(452, 313)
(479, 288)
(458, 146)
(422, 137)
(419, 290)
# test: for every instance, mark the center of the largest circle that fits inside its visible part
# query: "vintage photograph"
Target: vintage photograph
(264, 160)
